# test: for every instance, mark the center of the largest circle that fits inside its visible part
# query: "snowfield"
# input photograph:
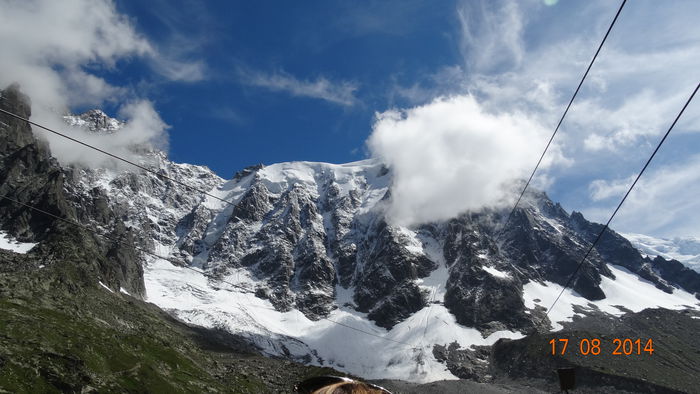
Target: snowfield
(627, 290)
(404, 352)
(9, 243)
(347, 340)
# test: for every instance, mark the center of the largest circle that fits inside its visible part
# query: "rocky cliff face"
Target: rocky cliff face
(71, 316)
(94, 121)
(29, 175)
(304, 228)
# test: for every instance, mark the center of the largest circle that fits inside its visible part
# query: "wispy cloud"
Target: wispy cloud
(175, 69)
(179, 46)
(525, 59)
(227, 114)
(446, 81)
(491, 35)
(341, 92)
(663, 203)
(602, 189)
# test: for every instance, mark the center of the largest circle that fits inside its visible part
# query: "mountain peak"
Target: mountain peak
(96, 121)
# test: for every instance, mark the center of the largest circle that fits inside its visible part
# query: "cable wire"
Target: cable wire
(561, 120)
(600, 234)
(109, 237)
(112, 155)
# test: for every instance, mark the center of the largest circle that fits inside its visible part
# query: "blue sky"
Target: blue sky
(368, 48)
(241, 83)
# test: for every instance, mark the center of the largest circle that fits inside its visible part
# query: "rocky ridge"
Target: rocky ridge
(313, 238)
(94, 121)
(73, 319)
(303, 229)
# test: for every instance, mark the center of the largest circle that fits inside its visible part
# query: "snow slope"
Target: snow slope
(210, 291)
(627, 290)
(404, 352)
(8, 243)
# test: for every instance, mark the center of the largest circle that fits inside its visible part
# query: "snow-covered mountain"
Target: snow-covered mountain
(302, 262)
(684, 249)
(94, 121)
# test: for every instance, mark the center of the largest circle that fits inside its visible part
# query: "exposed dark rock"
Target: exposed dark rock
(30, 175)
(472, 364)
(97, 121)
(247, 171)
(477, 298)
(554, 254)
(192, 229)
(677, 273)
(254, 204)
(402, 302)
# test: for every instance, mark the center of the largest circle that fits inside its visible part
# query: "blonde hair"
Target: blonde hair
(348, 388)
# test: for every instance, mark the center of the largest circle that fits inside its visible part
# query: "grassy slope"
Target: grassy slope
(58, 340)
(105, 342)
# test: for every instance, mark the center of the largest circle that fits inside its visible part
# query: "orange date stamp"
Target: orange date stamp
(592, 346)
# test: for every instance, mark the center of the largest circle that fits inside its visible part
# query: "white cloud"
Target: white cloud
(452, 156)
(91, 89)
(616, 127)
(341, 93)
(448, 80)
(144, 129)
(663, 202)
(633, 91)
(55, 50)
(523, 57)
(179, 70)
(47, 46)
(602, 189)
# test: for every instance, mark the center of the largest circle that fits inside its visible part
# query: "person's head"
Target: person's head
(348, 388)
(336, 385)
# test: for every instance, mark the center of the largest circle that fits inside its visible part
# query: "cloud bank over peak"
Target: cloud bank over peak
(59, 51)
(452, 155)
(526, 58)
(143, 129)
